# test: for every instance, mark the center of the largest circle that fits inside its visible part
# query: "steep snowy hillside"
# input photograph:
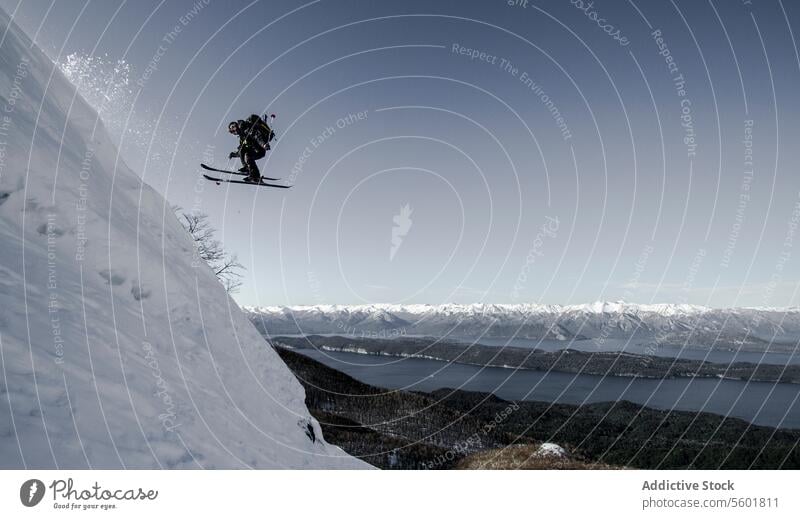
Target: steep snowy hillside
(684, 324)
(117, 348)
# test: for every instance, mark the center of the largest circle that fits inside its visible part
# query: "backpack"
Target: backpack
(259, 130)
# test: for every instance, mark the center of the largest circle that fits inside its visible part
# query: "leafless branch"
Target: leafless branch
(225, 266)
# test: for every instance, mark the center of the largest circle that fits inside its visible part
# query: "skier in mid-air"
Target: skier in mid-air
(254, 137)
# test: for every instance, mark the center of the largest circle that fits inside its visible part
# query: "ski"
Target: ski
(209, 168)
(219, 180)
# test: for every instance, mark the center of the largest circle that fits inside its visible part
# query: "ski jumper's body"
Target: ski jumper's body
(254, 136)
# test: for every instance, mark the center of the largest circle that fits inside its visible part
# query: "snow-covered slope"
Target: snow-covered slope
(669, 323)
(117, 348)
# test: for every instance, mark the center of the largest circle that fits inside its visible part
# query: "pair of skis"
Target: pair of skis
(234, 181)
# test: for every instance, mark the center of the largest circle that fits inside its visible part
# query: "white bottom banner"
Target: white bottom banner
(303, 494)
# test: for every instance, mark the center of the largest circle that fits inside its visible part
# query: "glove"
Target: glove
(233, 155)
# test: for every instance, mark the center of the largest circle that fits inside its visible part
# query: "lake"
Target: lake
(762, 403)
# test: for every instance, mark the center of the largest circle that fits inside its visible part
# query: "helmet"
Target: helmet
(233, 127)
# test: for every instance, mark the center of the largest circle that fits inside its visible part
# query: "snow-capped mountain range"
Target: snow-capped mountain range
(679, 323)
(118, 346)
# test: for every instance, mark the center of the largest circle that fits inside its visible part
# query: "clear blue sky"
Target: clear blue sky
(647, 175)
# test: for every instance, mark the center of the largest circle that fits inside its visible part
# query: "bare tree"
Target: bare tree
(225, 266)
